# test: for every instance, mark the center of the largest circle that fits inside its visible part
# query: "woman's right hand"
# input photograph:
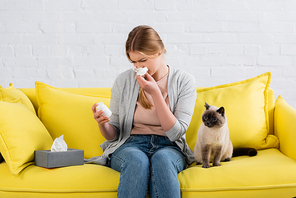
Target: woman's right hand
(101, 119)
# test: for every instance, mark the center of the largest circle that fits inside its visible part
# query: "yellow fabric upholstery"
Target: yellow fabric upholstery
(19, 94)
(285, 127)
(246, 107)
(269, 174)
(86, 179)
(71, 115)
(21, 133)
(243, 176)
(7, 97)
(95, 91)
(271, 100)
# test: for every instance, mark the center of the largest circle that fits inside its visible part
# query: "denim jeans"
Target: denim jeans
(148, 162)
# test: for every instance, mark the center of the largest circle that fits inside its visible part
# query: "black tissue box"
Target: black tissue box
(48, 159)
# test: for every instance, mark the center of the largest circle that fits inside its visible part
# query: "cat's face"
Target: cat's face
(213, 116)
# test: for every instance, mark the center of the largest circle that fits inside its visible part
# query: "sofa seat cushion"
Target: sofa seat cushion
(243, 176)
(88, 179)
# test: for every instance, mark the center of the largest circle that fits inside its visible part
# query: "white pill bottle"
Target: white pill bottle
(106, 110)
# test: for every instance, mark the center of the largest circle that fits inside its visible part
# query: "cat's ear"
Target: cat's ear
(207, 106)
(221, 110)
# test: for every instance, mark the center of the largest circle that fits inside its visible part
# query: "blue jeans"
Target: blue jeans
(148, 161)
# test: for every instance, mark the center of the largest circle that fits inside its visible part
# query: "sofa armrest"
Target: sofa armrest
(285, 127)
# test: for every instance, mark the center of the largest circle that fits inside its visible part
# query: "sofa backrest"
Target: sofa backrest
(30, 92)
(106, 92)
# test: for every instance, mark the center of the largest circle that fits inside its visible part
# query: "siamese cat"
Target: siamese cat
(213, 144)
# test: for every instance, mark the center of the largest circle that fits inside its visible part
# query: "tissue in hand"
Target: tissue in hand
(141, 71)
(59, 145)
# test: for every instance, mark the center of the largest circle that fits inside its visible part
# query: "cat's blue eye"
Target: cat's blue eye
(215, 119)
(205, 117)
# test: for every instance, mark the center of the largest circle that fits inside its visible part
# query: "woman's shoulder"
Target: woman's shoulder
(124, 80)
(125, 74)
(128, 75)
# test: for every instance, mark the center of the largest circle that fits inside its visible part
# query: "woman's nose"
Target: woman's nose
(138, 65)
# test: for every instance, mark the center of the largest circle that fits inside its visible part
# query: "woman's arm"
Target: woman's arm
(174, 123)
(106, 129)
(183, 94)
(166, 117)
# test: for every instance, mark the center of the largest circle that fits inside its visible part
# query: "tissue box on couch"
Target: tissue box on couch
(254, 120)
(48, 159)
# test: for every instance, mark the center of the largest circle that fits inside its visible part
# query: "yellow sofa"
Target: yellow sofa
(255, 119)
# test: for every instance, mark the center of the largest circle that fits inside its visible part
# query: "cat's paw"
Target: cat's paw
(206, 166)
(228, 159)
(216, 164)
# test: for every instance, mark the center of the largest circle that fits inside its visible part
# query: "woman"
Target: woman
(150, 115)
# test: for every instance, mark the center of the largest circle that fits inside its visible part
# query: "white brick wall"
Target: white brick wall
(80, 43)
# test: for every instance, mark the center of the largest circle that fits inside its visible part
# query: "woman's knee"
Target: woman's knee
(169, 159)
(130, 157)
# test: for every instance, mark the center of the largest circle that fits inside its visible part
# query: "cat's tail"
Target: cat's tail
(244, 151)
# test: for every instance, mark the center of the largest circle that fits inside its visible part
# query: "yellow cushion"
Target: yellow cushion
(243, 176)
(71, 115)
(102, 92)
(21, 133)
(285, 126)
(7, 97)
(86, 180)
(19, 94)
(4, 96)
(245, 104)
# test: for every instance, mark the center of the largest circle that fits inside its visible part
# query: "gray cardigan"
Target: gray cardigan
(125, 91)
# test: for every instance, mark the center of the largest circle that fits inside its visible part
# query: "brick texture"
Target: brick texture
(80, 43)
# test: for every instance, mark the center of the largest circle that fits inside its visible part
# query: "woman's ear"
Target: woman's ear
(160, 53)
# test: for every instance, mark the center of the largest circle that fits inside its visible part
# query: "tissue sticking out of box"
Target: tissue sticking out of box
(141, 71)
(59, 145)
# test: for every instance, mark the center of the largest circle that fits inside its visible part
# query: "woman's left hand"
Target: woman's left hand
(149, 84)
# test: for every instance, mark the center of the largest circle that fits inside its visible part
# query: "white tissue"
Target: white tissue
(59, 145)
(141, 71)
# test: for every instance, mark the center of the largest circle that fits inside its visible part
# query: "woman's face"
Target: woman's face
(151, 62)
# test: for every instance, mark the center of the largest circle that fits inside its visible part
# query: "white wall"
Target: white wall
(80, 43)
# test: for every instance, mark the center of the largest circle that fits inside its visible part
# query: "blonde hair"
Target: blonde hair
(145, 40)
